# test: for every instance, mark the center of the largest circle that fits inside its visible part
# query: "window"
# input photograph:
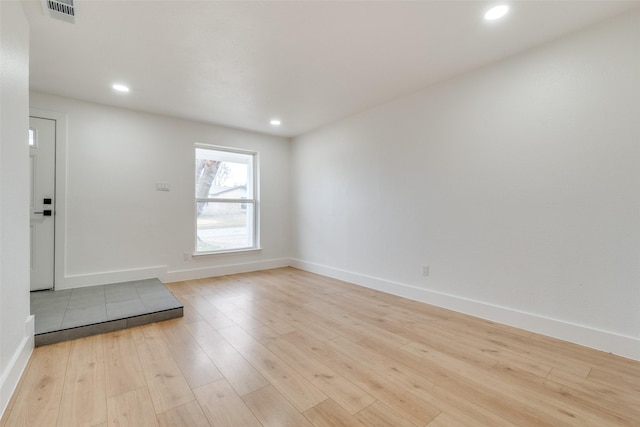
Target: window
(226, 200)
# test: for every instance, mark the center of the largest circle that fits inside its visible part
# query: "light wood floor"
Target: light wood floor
(289, 348)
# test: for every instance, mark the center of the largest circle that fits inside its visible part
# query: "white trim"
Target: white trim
(227, 149)
(214, 200)
(16, 366)
(107, 277)
(622, 345)
(223, 270)
(225, 251)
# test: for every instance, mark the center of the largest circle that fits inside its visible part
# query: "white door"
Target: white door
(42, 154)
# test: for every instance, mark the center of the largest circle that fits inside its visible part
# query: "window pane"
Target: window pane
(224, 226)
(223, 175)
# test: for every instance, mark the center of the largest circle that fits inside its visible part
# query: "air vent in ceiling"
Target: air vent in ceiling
(63, 10)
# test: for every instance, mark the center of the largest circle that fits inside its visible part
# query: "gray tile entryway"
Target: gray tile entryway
(75, 313)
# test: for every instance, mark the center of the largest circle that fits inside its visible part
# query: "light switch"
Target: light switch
(163, 186)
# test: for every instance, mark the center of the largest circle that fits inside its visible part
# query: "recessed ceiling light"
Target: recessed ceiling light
(496, 12)
(120, 87)
(275, 122)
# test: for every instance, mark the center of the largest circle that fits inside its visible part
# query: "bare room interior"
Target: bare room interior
(319, 213)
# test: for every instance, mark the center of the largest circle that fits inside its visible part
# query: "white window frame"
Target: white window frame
(254, 201)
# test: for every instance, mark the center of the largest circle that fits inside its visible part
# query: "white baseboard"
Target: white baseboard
(223, 270)
(11, 375)
(84, 280)
(601, 340)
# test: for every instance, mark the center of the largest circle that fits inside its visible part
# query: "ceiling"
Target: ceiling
(308, 63)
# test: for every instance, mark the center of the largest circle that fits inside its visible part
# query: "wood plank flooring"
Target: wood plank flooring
(285, 347)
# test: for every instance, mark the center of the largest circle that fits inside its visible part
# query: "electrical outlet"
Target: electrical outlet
(425, 270)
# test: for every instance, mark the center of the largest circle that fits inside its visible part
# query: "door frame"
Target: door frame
(60, 192)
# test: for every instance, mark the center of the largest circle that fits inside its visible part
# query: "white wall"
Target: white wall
(113, 223)
(518, 184)
(16, 324)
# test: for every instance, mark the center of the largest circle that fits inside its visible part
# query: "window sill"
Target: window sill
(229, 252)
